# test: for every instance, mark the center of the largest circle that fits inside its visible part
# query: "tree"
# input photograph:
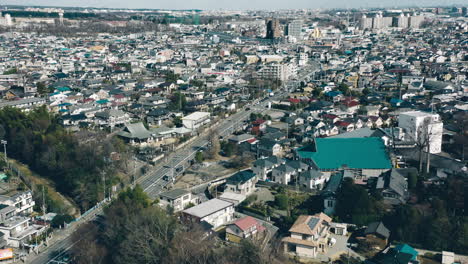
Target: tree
(178, 102)
(412, 180)
(355, 205)
(228, 148)
(281, 201)
(199, 157)
(422, 140)
(60, 220)
(177, 121)
(172, 77)
(42, 88)
(344, 88)
(365, 91)
(461, 139)
(215, 146)
(10, 71)
(74, 165)
(197, 83)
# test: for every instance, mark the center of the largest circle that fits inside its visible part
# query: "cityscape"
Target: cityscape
(208, 135)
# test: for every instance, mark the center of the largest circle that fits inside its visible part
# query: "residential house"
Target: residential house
(22, 201)
(215, 212)
(377, 230)
(312, 179)
(244, 228)
(242, 182)
(329, 193)
(178, 199)
(111, 118)
(309, 235)
(136, 134)
(394, 186)
(283, 174)
(263, 167)
(17, 231)
(268, 147)
(157, 116)
(238, 139)
(258, 126)
(344, 126)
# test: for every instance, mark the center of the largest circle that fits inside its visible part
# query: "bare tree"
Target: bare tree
(87, 249)
(461, 139)
(422, 139)
(215, 146)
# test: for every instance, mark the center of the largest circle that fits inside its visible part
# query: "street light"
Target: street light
(4, 142)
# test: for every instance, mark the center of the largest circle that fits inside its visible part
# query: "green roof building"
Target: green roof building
(331, 154)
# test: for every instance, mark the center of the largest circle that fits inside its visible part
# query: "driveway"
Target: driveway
(339, 248)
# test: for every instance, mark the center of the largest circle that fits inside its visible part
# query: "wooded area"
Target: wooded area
(135, 231)
(78, 163)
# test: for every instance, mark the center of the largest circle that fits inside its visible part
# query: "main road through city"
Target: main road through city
(164, 173)
(174, 164)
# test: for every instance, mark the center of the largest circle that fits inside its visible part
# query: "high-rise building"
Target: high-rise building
(464, 11)
(402, 21)
(6, 20)
(366, 22)
(273, 28)
(61, 18)
(278, 71)
(415, 21)
(295, 29)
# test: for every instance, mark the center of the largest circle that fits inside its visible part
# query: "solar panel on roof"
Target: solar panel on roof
(313, 222)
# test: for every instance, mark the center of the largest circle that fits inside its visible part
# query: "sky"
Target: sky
(234, 4)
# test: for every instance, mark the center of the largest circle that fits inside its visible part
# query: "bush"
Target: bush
(59, 220)
(254, 210)
(250, 199)
(281, 201)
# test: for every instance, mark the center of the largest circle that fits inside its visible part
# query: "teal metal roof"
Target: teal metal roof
(355, 153)
(102, 101)
(405, 248)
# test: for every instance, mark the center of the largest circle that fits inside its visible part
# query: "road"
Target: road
(62, 241)
(175, 164)
(154, 182)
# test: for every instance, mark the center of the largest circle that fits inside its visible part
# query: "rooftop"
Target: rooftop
(207, 208)
(354, 153)
(174, 194)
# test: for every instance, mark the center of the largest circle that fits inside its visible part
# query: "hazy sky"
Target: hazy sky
(233, 4)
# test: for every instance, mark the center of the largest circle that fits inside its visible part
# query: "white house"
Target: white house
(23, 202)
(17, 230)
(313, 179)
(178, 199)
(215, 212)
(195, 120)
